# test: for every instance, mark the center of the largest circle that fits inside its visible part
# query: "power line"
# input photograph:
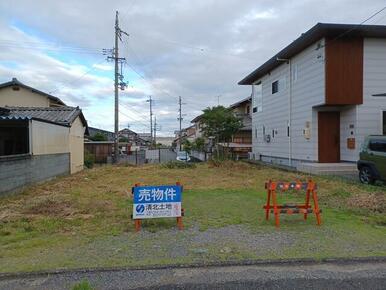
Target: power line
(48, 46)
(201, 49)
(356, 26)
(131, 118)
(79, 78)
(132, 109)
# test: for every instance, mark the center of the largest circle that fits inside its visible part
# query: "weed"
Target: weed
(177, 165)
(83, 285)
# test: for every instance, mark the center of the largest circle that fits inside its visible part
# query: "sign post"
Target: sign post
(161, 201)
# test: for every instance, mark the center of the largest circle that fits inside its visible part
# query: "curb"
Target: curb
(274, 262)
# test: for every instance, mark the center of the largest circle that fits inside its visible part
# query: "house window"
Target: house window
(275, 87)
(248, 109)
(258, 98)
(384, 123)
(14, 138)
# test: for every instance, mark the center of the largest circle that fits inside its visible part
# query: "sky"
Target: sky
(198, 50)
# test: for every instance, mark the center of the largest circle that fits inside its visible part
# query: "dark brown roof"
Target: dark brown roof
(64, 115)
(16, 82)
(239, 103)
(196, 119)
(317, 32)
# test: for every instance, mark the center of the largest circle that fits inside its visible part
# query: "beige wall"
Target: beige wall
(22, 98)
(49, 138)
(76, 144)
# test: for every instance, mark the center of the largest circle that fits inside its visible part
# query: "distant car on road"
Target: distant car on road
(372, 160)
(183, 156)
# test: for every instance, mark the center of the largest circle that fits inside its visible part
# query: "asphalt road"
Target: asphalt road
(331, 275)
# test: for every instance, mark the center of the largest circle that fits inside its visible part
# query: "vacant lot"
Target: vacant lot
(84, 220)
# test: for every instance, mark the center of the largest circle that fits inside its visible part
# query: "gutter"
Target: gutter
(288, 61)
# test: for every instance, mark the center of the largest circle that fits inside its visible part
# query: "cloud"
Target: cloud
(194, 49)
(103, 67)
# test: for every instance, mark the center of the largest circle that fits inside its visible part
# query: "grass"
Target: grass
(84, 220)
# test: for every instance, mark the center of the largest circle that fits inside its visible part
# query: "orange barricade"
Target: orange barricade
(305, 209)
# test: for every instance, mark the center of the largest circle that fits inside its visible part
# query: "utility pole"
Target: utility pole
(116, 102)
(180, 119)
(118, 81)
(218, 100)
(150, 101)
(155, 130)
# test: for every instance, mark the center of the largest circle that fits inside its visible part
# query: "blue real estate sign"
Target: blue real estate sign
(157, 201)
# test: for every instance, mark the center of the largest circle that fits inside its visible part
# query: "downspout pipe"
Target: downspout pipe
(288, 61)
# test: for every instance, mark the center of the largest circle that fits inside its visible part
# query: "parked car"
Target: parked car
(372, 160)
(183, 156)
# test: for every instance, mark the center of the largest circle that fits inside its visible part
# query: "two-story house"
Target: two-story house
(316, 99)
(241, 143)
(40, 137)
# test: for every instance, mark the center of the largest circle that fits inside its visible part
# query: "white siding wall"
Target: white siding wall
(374, 82)
(307, 91)
(348, 117)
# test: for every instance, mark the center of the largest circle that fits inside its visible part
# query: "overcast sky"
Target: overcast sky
(198, 50)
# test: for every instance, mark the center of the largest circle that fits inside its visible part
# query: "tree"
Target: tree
(99, 137)
(187, 145)
(198, 144)
(220, 122)
(123, 139)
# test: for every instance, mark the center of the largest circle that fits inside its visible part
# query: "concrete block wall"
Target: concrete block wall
(19, 171)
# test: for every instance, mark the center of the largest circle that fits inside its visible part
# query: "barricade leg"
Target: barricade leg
(275, 210)
(268, 205)
(316, 208)
(307, 203)
(137, 224)
(179, 223)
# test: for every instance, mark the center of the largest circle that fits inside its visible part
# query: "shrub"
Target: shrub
(83, 285)
(178, 165)
(89, 159)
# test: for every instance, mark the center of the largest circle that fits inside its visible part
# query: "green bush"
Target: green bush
(178, 165)
(89, 159)
(83, 285)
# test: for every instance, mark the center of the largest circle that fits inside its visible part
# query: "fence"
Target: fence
(201, 155)
(140, 157)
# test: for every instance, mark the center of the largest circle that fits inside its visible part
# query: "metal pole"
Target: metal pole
(155, 130)
(116, 55)
(151, 120)
(180, 119)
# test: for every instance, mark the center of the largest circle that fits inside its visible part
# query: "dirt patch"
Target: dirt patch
(375, 202)
(48, 206)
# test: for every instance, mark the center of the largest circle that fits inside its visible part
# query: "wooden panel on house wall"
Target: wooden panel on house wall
(344, 71)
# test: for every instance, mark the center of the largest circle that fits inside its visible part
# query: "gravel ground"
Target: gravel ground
(333, 275)
(231, 241)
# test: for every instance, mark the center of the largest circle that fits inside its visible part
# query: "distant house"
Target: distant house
(197, 126)
(94, 131)
(188, 134)
(145, 138)
(314, 101)
(131, 136)
(38, 141)
(241, 143)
